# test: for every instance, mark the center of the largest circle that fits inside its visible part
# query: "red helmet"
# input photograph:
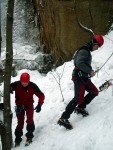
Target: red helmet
(99, 40)
(25, 77)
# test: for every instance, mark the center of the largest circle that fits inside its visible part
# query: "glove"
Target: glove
(11, 90)
(38, 108)
(92, 73)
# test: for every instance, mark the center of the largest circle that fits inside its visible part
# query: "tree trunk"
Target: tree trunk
(7, 77)
(60, 32)
(0, 30)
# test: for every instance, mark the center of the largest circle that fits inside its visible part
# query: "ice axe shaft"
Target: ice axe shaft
(105, 85)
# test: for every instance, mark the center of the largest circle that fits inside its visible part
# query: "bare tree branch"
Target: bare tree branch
(58, 80)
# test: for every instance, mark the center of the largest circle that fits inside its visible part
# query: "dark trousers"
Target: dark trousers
(20, 113)
(80, 86)
(1, 106)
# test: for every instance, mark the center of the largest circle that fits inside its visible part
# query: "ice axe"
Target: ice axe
(105, 85)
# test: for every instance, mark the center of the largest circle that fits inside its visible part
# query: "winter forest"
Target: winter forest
(41, 39)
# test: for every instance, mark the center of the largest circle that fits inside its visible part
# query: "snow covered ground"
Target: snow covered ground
(94, 132)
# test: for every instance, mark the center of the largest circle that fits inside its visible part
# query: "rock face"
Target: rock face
(60, 32)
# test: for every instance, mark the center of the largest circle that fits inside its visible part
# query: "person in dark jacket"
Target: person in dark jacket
(81, 77)
(24, 91)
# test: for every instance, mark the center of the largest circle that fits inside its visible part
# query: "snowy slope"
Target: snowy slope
(94, 132)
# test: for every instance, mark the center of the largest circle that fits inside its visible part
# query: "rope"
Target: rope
(104, 63)
(80, 24)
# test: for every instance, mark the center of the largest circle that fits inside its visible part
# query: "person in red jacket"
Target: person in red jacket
(24, 91)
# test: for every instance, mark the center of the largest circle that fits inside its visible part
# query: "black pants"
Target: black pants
(80, 86)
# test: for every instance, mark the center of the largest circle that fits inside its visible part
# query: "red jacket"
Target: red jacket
(24, 95)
